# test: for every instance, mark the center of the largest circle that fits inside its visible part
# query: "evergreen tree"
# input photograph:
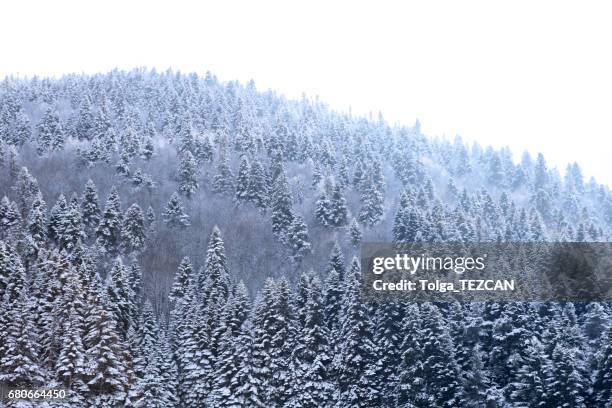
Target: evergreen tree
(334, 290)
(187, 172)
(440, 371)
(323, 210)
(274, 332)
(107, 372)
(258, 188)
(50, 132)
(109, 228)
(215, 283)
(356, 362)
(203, 150)
(566, 384)
(338, 212)
(133, 235)
(37, 221)
(72, 228)
(90, 208)
(223, 182)
(174, 214)
(281, 205)
(297, 238)
(312, 356)
(57, 219)
(70, 366)
(18, 356)
(182, 280)
(371, 203)
(120, 298)
(148, 149)
(242, 182)
(355, 234)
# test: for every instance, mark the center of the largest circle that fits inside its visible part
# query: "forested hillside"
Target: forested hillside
(169, 240)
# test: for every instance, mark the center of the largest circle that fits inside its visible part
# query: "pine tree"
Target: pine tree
(37, 221)
(147, 342)
(281, 206)
(234, 378)
(371, 204)
(410, 389)
(203, 150)
(355, 234)
(50, 132)
(122, 167)
(118, 293)
(323, 210)
(540, 173)
(223, 182)
(297, 238)
(338, 212)
(26, 188)
(90, 208)
(182, 280)
(274, 331)
(72, 228)
(334, 293)
(477, 383)
(133, 234)
(107, 373)
(355, 362)
(566, 383)
(257, 191)
(134, 274)
(242, 182)
(70, 366)
(187, 172)
(151, 220)
(174, 214)
(312, 356)
(57, 217)
(440, 371)
(109, 228)
(215, 283)
(18, 356)
(22, 131)
(148, 149)
(529, 387)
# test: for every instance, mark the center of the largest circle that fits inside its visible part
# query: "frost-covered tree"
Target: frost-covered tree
(355, 234)
(174, 214)
(242, 181)
(90, 208)
(187, 175)
(108, 232)
(281, 206)
(372, 201)
(224, 179)
(133, 231)
(50, 132)
(258, 188)
(274, 334)
(182, 280)
(297, 238)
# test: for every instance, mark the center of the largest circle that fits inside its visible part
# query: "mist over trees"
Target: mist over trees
(169, 240)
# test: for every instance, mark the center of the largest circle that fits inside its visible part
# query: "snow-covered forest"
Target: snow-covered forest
(169, 240)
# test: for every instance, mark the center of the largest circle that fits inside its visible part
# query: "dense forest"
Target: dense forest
(170, 240)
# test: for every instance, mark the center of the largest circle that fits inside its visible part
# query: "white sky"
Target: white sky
(533, 75)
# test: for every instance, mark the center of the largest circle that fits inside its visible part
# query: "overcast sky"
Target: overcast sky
(533, 75)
